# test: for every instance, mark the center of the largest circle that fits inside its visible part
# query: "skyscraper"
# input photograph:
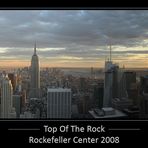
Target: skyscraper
(98, 94)
(58, 103)
(13, 78)
(131, 86)
(7, 110)
(144, 96)
(35, 75)
(110, 82)
(17, 100)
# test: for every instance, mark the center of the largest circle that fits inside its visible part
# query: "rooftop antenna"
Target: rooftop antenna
(35, 48)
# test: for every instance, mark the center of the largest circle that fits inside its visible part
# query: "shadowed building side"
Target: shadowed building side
(7, 110)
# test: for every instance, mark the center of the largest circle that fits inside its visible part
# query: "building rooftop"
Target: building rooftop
(108, 109)
(118, 114)
(58, 90)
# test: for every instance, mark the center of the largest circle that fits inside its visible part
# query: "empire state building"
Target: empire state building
(35, 75)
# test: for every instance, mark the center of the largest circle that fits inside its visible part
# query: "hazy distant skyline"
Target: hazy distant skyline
(74, 38)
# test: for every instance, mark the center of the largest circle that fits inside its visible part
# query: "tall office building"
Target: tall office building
(7, 110)
(130, 78)
(126, 81)
(58, 103)
(98, 92)
(122, 82)
(17, 104)
(13, 78)
(110, 85)
(131, 86)
(35, 75)
(110, 82)
(144, 96)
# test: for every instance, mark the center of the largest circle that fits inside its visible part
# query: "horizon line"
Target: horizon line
(72, 67)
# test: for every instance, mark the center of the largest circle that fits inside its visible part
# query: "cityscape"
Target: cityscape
(91, 72)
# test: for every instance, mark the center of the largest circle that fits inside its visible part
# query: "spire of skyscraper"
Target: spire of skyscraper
(35, 48)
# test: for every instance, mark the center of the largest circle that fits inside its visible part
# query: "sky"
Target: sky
(74, 38)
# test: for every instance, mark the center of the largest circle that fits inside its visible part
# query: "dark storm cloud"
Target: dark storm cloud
(79, 32)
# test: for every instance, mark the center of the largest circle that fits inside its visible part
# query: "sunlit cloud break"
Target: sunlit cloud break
(50, 49)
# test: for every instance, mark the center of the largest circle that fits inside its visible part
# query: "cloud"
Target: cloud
(78, 32)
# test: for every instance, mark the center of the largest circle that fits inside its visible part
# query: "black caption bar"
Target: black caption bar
(73, 131)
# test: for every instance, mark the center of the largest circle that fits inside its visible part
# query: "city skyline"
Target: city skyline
(74, 38)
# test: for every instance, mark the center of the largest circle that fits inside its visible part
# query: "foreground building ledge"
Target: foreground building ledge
(108, 113)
